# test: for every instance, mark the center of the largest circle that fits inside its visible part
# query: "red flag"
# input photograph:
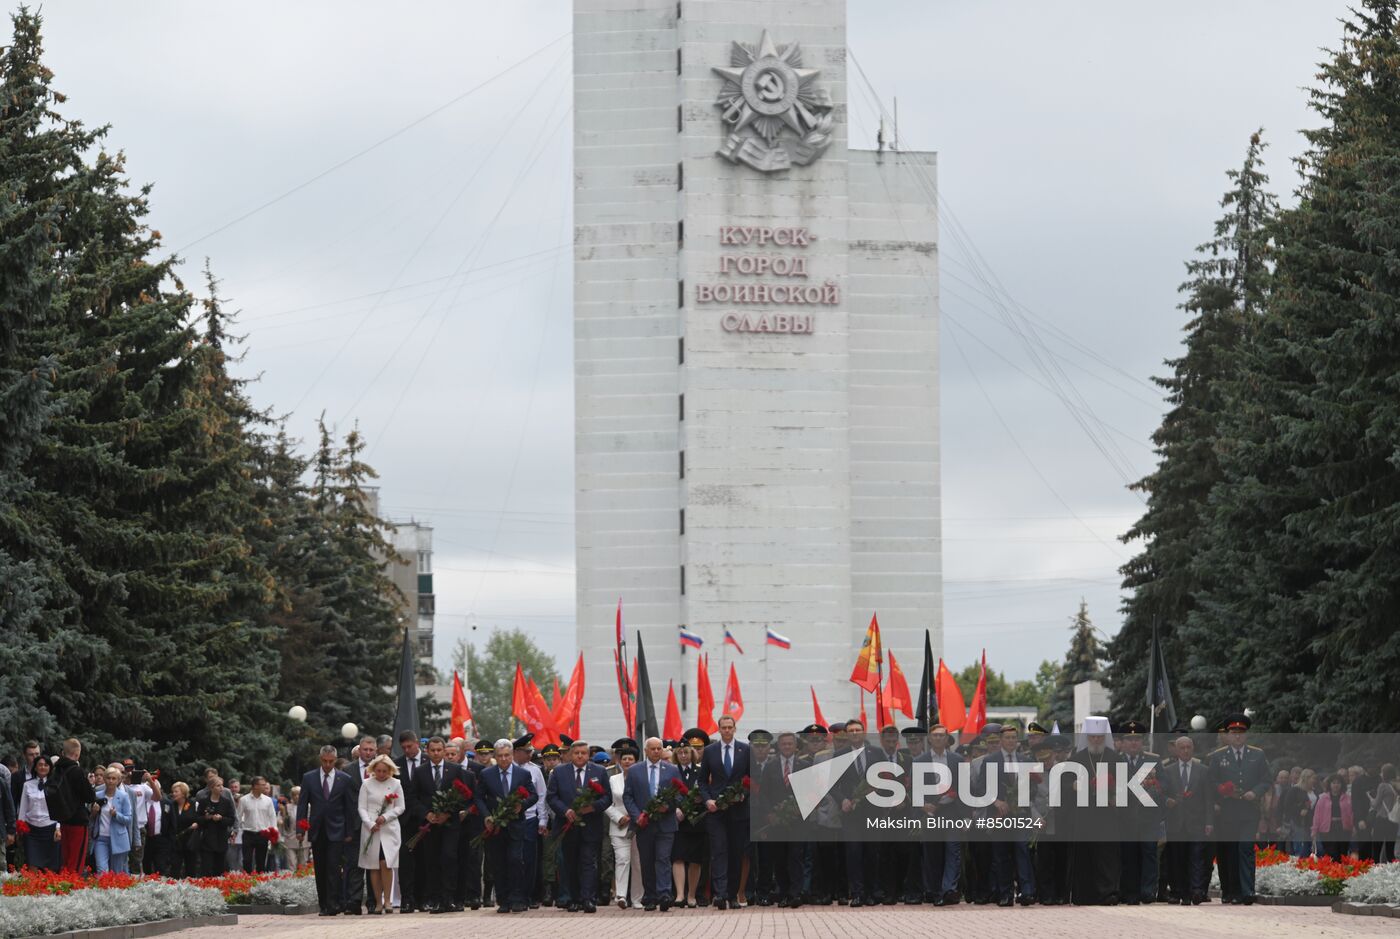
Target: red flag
(554, 696)
(733, 699)
(864, 721)
(672, 729)
(705, 698)
(977, 713)
(868, 664)
(520, 695)
(951, 710)
(460, 712)
(567, 710)
(620, 663)
(884, 716)
(632, 699)
(817, 709)
(897, 691)
(538, 719)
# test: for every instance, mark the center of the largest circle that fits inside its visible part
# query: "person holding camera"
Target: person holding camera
(215, 814)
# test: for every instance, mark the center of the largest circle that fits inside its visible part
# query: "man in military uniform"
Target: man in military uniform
(1240, 775)
(757, 881)
(549, 847)
(1052, 843)
(1138, 880)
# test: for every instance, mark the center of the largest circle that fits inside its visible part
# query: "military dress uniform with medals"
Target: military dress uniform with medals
(1240, 774)
(1138, 882)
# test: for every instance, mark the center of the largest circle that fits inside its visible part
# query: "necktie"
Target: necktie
(1184, 770)
(579, 783)
(437, 776)
(653, 780)
(728, 761)
(787, 768)
(326, 785)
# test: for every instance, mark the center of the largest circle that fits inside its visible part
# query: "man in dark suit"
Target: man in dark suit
(1241, 771)
(25, 772)
(1188, 797)
(356, 878)
(159, 831)
(656, 833)
(583, 839)
(861, 856)
(1011, 857)
(329, 808)
(437, 883)
(410, 821)
(774, 791)
(723, 764)
(506, 844)
(942, 861)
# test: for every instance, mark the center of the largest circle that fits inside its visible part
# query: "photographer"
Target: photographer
(214, 813)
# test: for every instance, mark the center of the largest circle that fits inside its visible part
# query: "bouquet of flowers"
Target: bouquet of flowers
(506, 812)
(445, 802)
(733, 794)
(21, 827)
(272, 835)
(584, 798)
(693, 806)
(303, 825)
(664, 801)
(1226, 790)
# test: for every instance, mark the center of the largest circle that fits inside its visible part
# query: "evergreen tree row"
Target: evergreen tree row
(1270, 555)
(173, 575)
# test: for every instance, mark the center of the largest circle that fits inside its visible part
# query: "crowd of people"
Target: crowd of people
(448, 825)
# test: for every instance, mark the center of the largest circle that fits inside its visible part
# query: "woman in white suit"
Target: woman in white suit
(626, 863)
(381, 804)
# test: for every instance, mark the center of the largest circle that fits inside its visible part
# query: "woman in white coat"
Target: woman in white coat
(381, 804)
(627, 865)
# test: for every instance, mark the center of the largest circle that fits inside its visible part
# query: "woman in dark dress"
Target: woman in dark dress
(186, 832)
(689, 850)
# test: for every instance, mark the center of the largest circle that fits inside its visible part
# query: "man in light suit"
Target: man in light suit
(506, 847)
(725, 763)
(582, 842)
(328, 804)
(657, 833)
(942, 858)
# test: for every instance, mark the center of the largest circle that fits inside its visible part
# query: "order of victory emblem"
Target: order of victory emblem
(776, 115)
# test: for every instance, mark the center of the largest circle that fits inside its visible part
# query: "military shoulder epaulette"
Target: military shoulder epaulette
(1217, 750)
(1250, 746)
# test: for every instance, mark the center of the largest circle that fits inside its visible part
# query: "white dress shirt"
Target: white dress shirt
(257, 813)
(539, 812)
(34, 805)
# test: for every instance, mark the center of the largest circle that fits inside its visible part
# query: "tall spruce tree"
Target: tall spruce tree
(342, 656)
(1226, 291)
(1300, 623)
(1083, 662)
(33, 142)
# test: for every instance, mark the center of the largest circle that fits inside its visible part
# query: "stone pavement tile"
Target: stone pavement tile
(1064, 922)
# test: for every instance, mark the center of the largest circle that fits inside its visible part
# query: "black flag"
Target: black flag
(406, 717)
(926, 708)
(646, 707)
(1159, 689)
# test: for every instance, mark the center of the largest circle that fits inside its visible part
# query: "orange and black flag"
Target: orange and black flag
(869, 664)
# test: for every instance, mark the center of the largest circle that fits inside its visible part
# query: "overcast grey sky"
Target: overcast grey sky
(423, 289)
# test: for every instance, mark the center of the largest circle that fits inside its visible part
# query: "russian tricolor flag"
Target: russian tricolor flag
(729, 640)
(690, 639)
(779, 640)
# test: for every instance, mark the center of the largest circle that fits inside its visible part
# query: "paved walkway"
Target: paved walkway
(965, 922)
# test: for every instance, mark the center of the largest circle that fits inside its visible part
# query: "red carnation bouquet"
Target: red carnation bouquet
(446, 802)
(389, 799)
(21, 827)
(1226, 790)
(272, 835)
(303, 825)
(582, 800)
(733, 794)
(506, 812)
(665, 800)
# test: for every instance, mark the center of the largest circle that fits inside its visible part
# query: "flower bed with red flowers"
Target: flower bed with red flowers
(1331, 875)
(236, 887)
